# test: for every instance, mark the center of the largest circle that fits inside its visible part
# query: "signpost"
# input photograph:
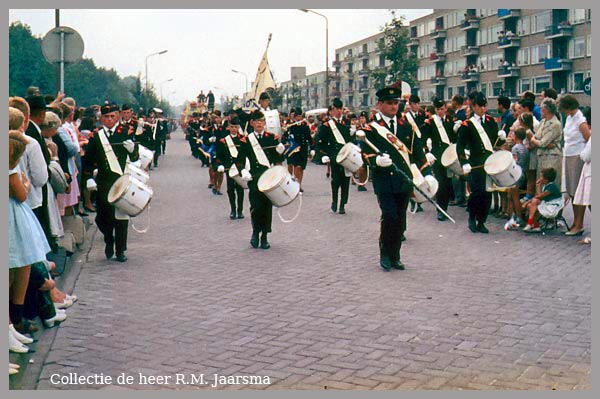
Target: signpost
(62, 45)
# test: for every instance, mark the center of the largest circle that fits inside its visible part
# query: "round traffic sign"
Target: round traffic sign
(587, 86)
(73, 45)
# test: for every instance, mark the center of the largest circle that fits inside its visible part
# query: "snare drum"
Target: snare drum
(450, 160)
(137, 173)
(350, 158)
(502, 168)
(146, 157)
(279, 186)
(129, 195)
(235, 175)
(420, 182)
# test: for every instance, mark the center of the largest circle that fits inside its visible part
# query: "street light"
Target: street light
(148, 56)
(326, 51)
(161, 87)
(245, 87)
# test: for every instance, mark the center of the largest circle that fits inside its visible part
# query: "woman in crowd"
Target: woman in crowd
(546, 141)
(68, 200)
(576, 133)
(583, 195)
(527, 120)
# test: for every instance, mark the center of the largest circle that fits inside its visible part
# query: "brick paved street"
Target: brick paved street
(502, 311)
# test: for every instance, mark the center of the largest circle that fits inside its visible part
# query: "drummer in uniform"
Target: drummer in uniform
(193, 127)
(108, 151)
(127, 116)
(439, 129)
(299, 134)
(215, 133)
(398, 149)
(415, 117)
(479, 134)
(363, 119)
(262, 149)
(333, 135)
(228, 149)
(264, 102)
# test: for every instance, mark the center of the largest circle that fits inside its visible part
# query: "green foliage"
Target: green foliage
(394, 47)
(84, 81)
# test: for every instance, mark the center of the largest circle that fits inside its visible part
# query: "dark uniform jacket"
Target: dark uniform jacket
(300, 133)
(390, 180)
(430, 131)
(327, 142)
(256, 169)
(468, 137)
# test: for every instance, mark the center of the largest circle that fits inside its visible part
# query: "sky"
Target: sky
(205, 45)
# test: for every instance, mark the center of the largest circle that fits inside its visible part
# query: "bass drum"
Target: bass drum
(350, 157)
(273, 123)
(502, 168)
(279, 186)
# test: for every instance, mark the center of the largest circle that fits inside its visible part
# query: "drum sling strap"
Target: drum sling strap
(231, 146)
(261, 157)
(113, 162)
(482, 134)
(398, 145)
(336, 132)
(441, 130)
(412, 122)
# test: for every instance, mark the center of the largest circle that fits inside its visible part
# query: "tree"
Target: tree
(276, 97)
(394, 48)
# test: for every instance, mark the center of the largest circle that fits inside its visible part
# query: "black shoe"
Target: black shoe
(254, 240)
(214, 191)
(472, 225)
(441, 217)
(419, 208)
(121, 258)
(301, 190)
(89, 209)
(264, 244)
(210, 185)
(362, 188)
(385, 263)
(334, 207)
(109, 251)
(232, 215)
(240, 215)
(403, 238)
(342, 210)
(396, 264)
(219, 193)
(481, 228)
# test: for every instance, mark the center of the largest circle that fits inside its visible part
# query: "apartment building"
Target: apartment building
(302, 90)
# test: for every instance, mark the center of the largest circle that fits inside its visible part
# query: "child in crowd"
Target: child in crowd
(547, 203)
(521, 156)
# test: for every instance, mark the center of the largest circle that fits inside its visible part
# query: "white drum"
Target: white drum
(146, 156)
(502, 168)
(279, 186)
(273, 123)
(349, 157)
(137, 173)
(129, 195)
(420, 182)
(235, 175)
(450, 160)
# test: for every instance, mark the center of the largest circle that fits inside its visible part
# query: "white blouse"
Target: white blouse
(574, 141)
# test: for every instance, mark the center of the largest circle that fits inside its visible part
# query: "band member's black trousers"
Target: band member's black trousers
(261, 209)
(445, 185)
(479, 200)
(339, 180)
(235, 192)
(114, 230)
(157, 152)
(393, 222)
(164, 146)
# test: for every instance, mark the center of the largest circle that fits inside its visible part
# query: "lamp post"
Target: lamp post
(148, 56)
(245, 87)
(161, 87)
(326, 52)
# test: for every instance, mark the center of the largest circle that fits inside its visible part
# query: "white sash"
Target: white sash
(113, 162)
(383, 132)
(482, 134)
(441, 129)
(411, 120)
(232, 150)
(336, 132)
(261, 157)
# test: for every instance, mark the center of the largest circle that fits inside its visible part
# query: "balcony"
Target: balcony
(336, 62)
(468, 51)
(437, 57)
(509, 42)
(363, 54)
(336, 93)
(364, 72)
(509, 72)
(470, 76)
(470, 24)
(363, 88)
(507, 13)
(558, 32)
(438, 81)
(348, 57)
(414, 41)
(557, 64)
(438, 33)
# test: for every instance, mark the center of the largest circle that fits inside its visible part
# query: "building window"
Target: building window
(577, 47)
(449, 93)
(497, 88)
(524, 85)
(541, 83)
(461, 91)
(576, 81)
(483, 89)
(576, 15)
(540, 53)
(589, 45)
(524, 57)
(541, 21)
(524, 26)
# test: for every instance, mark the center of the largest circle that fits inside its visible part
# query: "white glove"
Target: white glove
(129, 145)
(502, 135)
(246, 176)
(432, 183)
(221, 169)
(280, 148)
(95, 173)
(352, 130)
(312, 153)
(467, 168)
(383, 161)
(430, 158)
(91, 185)
(357, 147)
(457, 126)
(212, 139)
(325, 159)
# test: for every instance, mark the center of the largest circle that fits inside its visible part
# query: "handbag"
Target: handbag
(58, 180)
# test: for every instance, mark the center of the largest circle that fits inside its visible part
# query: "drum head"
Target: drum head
(272, 178)
(498, 162)
(118, 188)
(343, 153)
(449, 155)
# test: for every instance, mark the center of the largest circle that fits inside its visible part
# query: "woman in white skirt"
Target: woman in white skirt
(583, 195)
